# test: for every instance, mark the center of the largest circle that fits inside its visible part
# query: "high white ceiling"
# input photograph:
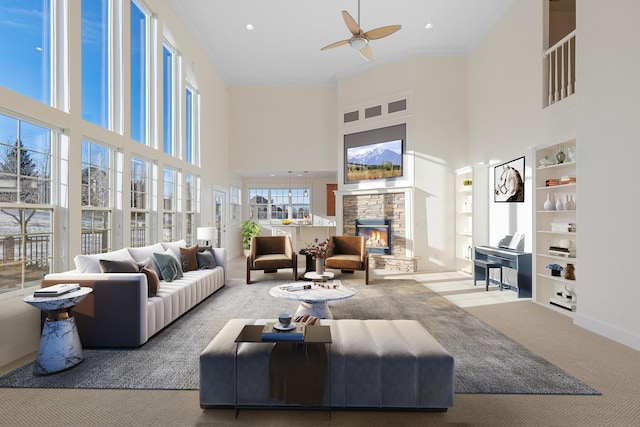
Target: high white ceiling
(283, 49)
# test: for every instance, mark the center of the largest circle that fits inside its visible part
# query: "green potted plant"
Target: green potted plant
(248, 230)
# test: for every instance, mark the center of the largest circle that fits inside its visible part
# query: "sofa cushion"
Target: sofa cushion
(344, 262)
(205, 260)
(175, 247)
(189, 258)
(153, 281)
(169, 266)
(91, 263)
(144, 252)
(271, 261)
(118, 266)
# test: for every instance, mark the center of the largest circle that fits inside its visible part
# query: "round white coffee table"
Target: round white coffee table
(312, 275)
(313, 301)
(60, 346)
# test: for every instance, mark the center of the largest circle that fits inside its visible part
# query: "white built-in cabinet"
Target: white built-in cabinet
(464, 220)
(556, 236)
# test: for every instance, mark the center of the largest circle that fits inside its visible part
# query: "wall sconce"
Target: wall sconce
(208, 234)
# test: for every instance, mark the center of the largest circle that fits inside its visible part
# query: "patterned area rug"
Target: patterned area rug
(486, 360)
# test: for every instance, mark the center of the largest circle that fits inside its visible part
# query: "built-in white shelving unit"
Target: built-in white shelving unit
(464, 219)
(556, 236)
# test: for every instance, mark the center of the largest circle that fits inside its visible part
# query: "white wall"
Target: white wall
(506, 120)
(436, 137)
(608, 153)
(283, 128)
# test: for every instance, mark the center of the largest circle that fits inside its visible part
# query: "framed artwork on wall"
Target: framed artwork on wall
(509, 181)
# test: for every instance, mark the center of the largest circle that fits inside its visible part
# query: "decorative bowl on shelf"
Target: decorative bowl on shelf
(286, 221)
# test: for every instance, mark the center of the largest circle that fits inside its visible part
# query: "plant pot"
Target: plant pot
(319, 265)
(555, 273)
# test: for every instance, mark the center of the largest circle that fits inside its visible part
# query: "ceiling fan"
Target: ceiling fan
(359, 39)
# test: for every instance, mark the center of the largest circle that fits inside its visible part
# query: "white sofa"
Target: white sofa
(119, 313)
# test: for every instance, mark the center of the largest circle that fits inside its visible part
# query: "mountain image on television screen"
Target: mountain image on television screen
(375, 161)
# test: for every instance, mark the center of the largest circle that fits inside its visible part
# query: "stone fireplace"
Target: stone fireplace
(385, 207)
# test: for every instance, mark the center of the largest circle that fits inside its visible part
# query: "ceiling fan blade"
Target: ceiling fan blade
(378, 33)
(352, 25)
(336, 44)
(366, 53)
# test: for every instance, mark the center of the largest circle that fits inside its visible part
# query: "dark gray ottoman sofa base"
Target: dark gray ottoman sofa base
(374, 364)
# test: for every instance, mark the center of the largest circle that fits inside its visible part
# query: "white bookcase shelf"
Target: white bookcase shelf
(464, 220)
(551, 179)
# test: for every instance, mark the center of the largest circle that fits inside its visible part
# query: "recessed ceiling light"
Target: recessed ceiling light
(429, 25)
(249, 27)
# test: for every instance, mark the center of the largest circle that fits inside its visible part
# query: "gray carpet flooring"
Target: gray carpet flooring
(486, 360)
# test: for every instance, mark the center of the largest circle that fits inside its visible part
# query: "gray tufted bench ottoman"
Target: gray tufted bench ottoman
(373, 364)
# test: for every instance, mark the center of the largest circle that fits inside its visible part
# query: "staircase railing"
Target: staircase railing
(561, 65)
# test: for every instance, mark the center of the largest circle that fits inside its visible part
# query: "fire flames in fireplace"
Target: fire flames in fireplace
(377, 234)
(377, 238)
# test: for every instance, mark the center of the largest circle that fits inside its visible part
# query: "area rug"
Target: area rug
(486, 361)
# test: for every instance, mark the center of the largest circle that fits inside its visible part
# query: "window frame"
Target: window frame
(147, 125)
(90, 246)
(285, 198)
(43, 264)
(192, 125)
(139, 211)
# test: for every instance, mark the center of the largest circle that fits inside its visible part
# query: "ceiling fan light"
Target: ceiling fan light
(358, 42)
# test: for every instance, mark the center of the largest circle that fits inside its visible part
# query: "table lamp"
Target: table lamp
(208, 234)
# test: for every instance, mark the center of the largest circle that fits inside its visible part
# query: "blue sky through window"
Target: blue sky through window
(25, 47)
(95, 62)
(138, 62)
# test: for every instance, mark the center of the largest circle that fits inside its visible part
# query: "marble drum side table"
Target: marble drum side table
(60, 346)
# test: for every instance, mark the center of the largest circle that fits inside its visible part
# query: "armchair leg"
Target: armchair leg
(366, 271)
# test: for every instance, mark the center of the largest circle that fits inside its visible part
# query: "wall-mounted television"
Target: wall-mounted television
(376, 154)
(509, 181)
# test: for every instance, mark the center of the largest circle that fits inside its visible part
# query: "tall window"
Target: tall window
(192, 120)
(276, 203)
(96, 52)
(26, 216)
(191, 206)
(139, 60)
(235, 203)
(96, 198)
(25, 48)
(140, 202)
(170, 205)
(168, 110)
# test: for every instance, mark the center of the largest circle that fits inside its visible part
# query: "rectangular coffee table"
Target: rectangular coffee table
(253, 334)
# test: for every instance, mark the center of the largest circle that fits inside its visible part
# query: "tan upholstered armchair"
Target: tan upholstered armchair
(348, 253)
(269, 253)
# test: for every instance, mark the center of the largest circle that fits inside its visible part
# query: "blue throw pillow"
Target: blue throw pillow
(205, 260)
(169, 266)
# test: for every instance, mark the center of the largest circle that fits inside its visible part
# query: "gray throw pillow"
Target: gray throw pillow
(169, 266)
(205, 260)
(152, 262)
(118, 266)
